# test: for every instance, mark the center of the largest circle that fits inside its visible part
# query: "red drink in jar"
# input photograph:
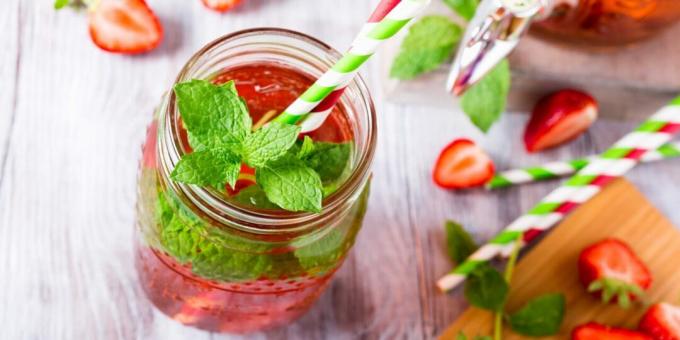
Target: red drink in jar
(234, 262)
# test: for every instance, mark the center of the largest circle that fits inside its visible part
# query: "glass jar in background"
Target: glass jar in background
(607, 22)
(238, 266)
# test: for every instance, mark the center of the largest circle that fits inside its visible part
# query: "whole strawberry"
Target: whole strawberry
(611, 270)
(662, 322)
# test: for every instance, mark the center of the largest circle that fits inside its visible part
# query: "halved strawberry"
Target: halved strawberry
(220, 5)
(558, 118)
(596, 331)
(462, 164)
(662, 322)
(124, 26)
(612, 271)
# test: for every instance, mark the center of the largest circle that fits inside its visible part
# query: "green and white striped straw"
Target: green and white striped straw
(587, 183)
(342, 73)
(554, 170)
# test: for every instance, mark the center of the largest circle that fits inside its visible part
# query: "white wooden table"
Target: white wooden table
(72, 120)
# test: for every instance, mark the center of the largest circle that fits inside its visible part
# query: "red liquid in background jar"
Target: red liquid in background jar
(239, 307)
(607, 23)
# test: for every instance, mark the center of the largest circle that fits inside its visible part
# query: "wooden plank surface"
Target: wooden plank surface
(619, 212)
(72, 120)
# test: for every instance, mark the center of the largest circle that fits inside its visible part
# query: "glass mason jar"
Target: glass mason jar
(607, 22)
(220, 265)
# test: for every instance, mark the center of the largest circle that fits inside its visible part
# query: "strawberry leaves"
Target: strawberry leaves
(610, 288)
(219, 128)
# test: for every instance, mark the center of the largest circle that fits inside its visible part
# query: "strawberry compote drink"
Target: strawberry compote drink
(230, 260)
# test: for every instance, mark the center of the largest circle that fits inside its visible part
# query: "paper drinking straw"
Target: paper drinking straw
(316, 103)
(613, 163)
(559, 169)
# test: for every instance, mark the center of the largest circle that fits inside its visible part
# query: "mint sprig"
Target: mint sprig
(488, 289)
(431, 42)
(219, 128)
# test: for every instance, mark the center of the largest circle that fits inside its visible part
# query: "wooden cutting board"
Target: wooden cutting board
(620, 211)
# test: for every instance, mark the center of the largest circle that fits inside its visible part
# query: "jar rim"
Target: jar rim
(268, 222)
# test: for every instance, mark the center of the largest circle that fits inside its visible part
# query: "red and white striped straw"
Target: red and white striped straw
(383, 8)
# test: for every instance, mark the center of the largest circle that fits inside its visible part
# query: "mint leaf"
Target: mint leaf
(269, 143)
(485, 101)
(219, 130)
(254, 196)
(541, 316)
(464, 8)
(291, 185)
(329, 160)
(59, 4)
(486, 288)
(213, 254)
(429, 43)
(459, 243)
(306, 148)
(323, 251)
(321, 255)
(214, 261)
(214, 168)
(213, 114)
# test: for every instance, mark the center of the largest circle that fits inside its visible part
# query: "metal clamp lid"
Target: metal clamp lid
(491, 35)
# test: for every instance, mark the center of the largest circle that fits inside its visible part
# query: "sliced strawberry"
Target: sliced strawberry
(558, 118)
(612, 271)
(125, 26)
(596, 331)
(220, 5)
(662, 322)
(462, 164)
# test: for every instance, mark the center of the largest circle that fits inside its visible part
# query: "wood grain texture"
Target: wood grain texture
(72, 120)
(621, 212)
